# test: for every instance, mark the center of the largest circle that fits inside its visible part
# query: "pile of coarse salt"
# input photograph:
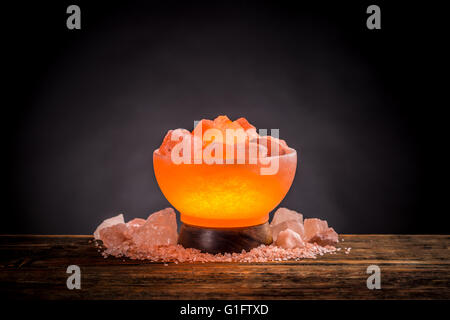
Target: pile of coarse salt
(155, 239)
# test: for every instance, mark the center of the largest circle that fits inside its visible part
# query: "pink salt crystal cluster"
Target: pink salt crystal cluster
(135, 223)
(289, 239)
(155, 239)
(160, 229)
(115, 235)
(317, 231)
(286, 219)
(138, 235)
(289, 231)
(108, 223)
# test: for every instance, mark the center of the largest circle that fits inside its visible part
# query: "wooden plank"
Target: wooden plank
(412, 267)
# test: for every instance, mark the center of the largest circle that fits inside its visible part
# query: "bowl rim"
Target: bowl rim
(291, 153)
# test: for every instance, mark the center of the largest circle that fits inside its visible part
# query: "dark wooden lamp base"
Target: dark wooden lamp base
(222, 240)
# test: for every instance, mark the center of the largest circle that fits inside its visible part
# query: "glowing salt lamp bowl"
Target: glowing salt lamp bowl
(224, 195)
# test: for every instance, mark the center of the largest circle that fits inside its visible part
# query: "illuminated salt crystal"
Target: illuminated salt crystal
(108, 223)
(245, 124)
(159, 229)
(289, 239)
(252, 134)
(279, 146)
(172, 138)
(255, 150)
(317, 231)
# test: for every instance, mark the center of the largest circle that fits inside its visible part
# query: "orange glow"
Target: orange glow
(224, 195)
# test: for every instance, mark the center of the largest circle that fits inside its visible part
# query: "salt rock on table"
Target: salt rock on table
(293, 225)
(135, 224)
(159, 229)
(289, 239)
(115, 235)
(317, 231)
(327, 237)
(108, 223)
(284, 214)
(286, 219)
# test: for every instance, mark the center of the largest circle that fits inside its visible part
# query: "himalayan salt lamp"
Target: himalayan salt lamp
(224, 205)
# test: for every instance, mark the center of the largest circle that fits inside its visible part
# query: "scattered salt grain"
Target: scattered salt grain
(178, 254)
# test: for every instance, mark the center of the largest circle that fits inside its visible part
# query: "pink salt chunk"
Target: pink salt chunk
(289, 239)
(255, 150)
(108, 223)
(159, 229)
(284, 214)
(317, 231)
(252, 134)
(135, 224)
(275, 146)
(293, 225)
(172, 138)
(327, 237)
(115, 235)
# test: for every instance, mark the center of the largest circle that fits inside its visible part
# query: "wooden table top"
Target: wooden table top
(412, 267)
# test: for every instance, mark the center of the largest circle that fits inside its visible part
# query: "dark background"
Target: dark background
(84, 109)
